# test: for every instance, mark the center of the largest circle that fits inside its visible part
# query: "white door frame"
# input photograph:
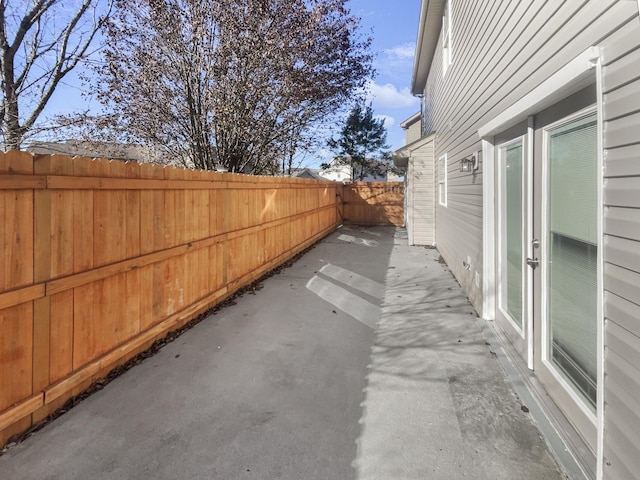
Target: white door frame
(574, 76)
(577, 74)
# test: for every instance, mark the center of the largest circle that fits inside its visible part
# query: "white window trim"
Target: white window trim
(442, 181)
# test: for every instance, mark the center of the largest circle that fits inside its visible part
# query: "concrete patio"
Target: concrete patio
(363, 360)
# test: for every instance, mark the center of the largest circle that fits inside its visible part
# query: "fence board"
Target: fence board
(21, 295)
(374, 203)
(16, 162)
(146, 296)
(41, 343)
(132, 213)
(61, 233)
(62, 314)
(16, 254)
(42, 231)
(84, 341)
(83, 227)
(16, 353)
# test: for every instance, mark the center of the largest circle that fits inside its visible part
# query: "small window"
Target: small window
(442, 180)
(446, 37)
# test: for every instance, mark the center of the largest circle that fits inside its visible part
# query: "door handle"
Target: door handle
(534, 262)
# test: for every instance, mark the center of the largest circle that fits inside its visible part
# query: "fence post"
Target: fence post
(41, 273)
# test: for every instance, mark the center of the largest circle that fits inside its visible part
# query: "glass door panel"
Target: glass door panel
(571, 272)
(511, 227)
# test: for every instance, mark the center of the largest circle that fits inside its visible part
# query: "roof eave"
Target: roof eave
(400, 162)
(428, 36)
(411, 120)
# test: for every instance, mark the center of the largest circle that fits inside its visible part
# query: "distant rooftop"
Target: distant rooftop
(83, 148)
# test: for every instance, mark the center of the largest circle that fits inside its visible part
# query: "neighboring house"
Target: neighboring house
(306, 173)
(394, 177)
(83, 148)
(530, 156)
(338, 171)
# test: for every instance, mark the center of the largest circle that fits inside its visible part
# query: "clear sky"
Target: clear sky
(393, 25)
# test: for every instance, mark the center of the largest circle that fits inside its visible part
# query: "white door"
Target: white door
(566, 285)
(548, 249)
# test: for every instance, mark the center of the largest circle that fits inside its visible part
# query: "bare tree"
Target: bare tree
(41, 42)
(230, 82)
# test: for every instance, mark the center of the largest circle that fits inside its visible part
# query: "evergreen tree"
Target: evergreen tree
(362, 144)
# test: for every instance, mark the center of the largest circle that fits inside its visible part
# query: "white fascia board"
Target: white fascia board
(414, 118)
(406, 150)
(571, 78)
(402, 155)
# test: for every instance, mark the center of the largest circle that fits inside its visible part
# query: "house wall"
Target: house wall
(428, 102)
(420, 191)
(408, 200)
(421, 206)
(621, 90)
(336, 173)
(413, 133)
(502, 51)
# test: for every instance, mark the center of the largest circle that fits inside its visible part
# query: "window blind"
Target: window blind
(573, 250)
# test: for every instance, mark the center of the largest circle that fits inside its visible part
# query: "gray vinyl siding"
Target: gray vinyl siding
(420, 191)
(413, 133)
(621, 91)
(408, 201)
(501, 51)
(423, 195)
(428, 123)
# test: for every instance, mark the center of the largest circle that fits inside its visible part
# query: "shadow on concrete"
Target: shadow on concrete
(361, 360)
(271, 387)
(437, 404)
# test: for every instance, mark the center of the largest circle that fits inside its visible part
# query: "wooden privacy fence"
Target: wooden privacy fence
(374, 203)
(101, 258)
